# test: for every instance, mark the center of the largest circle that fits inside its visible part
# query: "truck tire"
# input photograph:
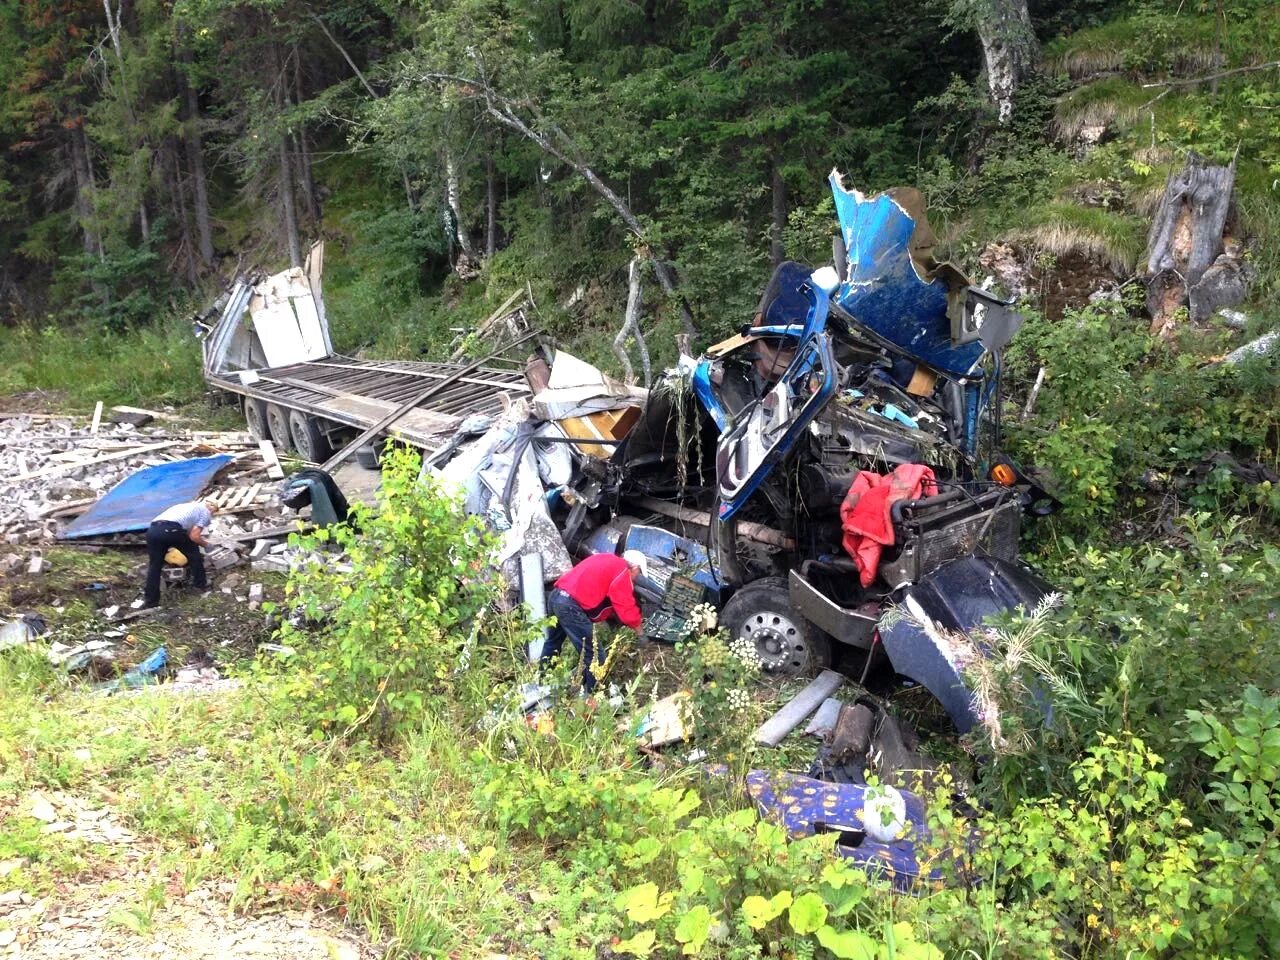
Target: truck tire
(787, 644)
(308, 438)
(255, 418)
(278, 422)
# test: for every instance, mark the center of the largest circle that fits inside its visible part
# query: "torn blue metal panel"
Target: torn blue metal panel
(804, 806)
(886, 289)
(140, 497)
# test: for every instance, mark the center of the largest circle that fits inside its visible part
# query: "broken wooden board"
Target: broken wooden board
(603, 425)
(268, 451)
(236, 499)
(93, 461)
(97, 419)
(772, 731)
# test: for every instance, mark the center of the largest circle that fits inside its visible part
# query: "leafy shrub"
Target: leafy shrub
(393, 630)
(1148, 632)
(1117, 409)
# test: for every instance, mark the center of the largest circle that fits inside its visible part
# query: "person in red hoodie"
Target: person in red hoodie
(597, 588)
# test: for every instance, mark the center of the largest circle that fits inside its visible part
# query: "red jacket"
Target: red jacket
(866, 513)
(601, 585)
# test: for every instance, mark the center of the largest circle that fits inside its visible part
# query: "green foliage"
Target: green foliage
(396, 628)
(156, 364)
(1116, 405)
(724, 709)
(1147, 633)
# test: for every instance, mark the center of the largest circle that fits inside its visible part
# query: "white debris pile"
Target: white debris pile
(52, 469)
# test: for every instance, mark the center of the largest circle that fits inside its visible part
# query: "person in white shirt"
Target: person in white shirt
(182, 526)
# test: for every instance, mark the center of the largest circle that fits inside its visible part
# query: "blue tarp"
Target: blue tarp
(137, 499)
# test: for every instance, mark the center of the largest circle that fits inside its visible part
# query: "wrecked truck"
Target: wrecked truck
(881, 369)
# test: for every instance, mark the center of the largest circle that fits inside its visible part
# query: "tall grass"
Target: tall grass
(152, 365)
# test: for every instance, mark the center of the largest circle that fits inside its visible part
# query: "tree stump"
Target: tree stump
(1187, 265)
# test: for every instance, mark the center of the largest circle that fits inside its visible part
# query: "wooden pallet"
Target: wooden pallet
(237, 499)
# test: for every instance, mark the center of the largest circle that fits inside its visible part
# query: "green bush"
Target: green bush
(397, 628)
(1121, 415)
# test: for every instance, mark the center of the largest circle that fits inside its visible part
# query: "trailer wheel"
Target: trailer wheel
(255, 418)
(309, 440)
(278, 421)
(787, 644)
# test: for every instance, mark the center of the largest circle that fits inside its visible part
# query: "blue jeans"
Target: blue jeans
(573, 622)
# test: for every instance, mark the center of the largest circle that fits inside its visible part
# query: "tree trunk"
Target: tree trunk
(181, 212)
(288, 207)
(83, 169)
(199, 186)
(491, 206)
(302, 150)
(144, 222)
(1186, 263)
(502, 110)
(1009, 49)
(631, 326)
(454, 198)
(194, 147)
(288, 203)
(777, 245)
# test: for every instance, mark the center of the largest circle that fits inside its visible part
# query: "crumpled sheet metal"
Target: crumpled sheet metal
(893, 285)
(139, 498)
(800, 804)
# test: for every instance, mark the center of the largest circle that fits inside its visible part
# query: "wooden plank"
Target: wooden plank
(413, 401)
(252, 495)
(67, 507)
(58, 468)
(268, 451)
(97, 419)
(772, 731)
(267, 533)
(150, 413)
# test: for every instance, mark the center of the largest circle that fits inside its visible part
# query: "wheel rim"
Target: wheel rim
(253, 419)
(300, 439)
(778, 640)
(279, 423)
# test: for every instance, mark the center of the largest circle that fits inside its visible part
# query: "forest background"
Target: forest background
(451, 153)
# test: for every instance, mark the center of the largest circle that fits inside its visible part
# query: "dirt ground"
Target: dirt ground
(127, 910)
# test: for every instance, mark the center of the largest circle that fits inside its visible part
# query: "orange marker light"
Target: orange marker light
(1003, 474)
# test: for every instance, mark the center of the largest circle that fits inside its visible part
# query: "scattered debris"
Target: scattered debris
(666, 721)
(141, 675)
(772, 731)
(20, 632)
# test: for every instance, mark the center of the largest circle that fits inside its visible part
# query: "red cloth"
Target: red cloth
(601, 585)
(865, 513)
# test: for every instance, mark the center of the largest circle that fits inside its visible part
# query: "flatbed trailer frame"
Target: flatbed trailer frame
(345, 392)
(266, 340)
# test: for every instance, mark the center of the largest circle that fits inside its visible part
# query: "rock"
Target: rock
(10, 562)
(1011, 272)
(1233, 318)
(1224, 284)
(42, 808)
(37, 564)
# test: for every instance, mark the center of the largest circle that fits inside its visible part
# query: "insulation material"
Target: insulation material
(286, 320)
